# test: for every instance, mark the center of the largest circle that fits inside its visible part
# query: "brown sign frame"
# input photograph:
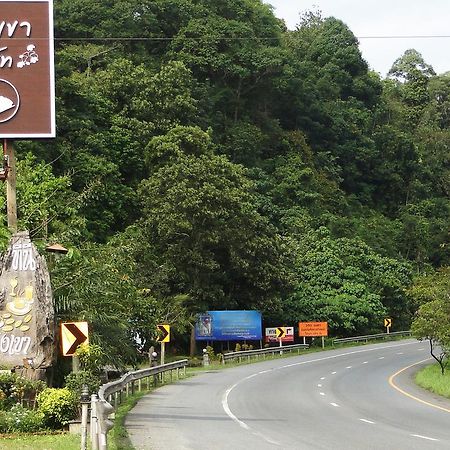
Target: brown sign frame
(27, 73)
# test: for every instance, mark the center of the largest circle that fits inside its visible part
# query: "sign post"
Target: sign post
(281, 332)
(73, 334)
(163, 337)
(313, 329)
(388, 324)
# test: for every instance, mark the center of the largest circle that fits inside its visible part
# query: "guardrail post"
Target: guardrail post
(104, 410)
(94, 422)
(84, 400)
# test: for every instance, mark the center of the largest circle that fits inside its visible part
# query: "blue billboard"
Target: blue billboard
(228, 326)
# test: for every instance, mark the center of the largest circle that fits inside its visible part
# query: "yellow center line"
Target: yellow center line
(391, 382)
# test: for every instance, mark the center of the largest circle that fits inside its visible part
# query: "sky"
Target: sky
(384, 18)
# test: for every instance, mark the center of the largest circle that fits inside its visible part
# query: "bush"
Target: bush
(76, 380)
(14, 389)
(59, 406)
(21, 420)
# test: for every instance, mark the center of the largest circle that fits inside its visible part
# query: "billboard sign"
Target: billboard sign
(27, 97)
(312, 329)
(228, 326)
(271, 335)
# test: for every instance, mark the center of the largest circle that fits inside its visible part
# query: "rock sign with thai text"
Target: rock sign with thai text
(26, 307)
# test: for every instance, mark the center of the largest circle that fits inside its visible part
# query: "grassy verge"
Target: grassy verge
(118, 437)
(431, 378)
(34, 442)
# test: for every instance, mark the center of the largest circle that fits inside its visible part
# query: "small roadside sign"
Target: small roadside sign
(271, 334)
(312, 329)
(163, 333)
(73, 334)
(281, 332)
(388, 324)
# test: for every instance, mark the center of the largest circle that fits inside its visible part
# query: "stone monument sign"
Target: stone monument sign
(26, 309)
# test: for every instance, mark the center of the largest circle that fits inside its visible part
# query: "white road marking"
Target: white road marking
(400, 353)
(322, 393)
(335, 405)
(424, 437)
(367, 421)
(242, 424)
(420, 349)
(319, 385)
(348, 367)
(381, 357)
(365, 362)
(333, 373)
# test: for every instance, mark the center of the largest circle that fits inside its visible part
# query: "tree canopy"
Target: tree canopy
(208, 158)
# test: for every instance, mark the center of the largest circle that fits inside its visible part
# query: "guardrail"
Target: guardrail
(112, 393)
(263, 351)
(371, 336)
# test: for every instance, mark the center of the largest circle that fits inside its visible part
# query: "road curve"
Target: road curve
(355, 398)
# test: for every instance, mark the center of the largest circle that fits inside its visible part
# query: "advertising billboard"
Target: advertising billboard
(228, 326)
(27, 98)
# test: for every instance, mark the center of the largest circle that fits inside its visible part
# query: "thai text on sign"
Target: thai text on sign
(312, 329)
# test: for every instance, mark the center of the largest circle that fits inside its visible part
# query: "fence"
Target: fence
(261, 352)
(371, 336)
(112, 393)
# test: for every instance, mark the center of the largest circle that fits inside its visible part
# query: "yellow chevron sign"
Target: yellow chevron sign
(163, 333)
(73, 334)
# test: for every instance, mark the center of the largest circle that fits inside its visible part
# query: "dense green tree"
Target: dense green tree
(344, 282)
(204, 231)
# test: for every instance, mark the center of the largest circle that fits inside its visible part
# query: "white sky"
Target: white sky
(384, 18)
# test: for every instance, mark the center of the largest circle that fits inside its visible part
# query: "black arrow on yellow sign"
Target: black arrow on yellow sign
(388, 323)
(281, 332)
(163, 333)
(79, 336)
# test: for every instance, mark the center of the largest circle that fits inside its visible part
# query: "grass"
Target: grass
(118, 437)
(431, 378)
(62, 441)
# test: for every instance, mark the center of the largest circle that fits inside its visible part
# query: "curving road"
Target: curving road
(358, 398)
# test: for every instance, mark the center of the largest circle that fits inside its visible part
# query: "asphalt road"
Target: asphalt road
(354, 398)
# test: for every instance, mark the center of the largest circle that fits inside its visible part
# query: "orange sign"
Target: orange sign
(312, 329)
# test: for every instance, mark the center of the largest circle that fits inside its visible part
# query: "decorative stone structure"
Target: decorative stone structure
(27, 339)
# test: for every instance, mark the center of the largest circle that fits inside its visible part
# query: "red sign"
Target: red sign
(312, 329)
(27, 97)
(271, 335)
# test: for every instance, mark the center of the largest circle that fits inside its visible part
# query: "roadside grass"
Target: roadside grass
(118, 438)
(60, 441)
(431, 378)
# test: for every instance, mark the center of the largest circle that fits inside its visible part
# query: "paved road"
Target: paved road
(339, 399)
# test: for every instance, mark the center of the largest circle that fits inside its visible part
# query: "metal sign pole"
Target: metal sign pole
(163, 352)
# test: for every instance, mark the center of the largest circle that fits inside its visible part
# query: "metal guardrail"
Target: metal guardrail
(371, 336)
(263, 351)
(112, 393)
